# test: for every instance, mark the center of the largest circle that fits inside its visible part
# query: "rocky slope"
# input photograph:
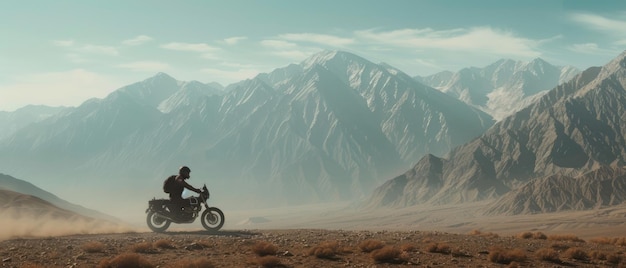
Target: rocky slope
(504, 87)
(573, 129)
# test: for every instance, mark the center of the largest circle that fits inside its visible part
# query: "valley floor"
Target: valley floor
(310, 248)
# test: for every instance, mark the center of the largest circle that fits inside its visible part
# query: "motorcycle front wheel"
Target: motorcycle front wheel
(157, 223)
(212, 219)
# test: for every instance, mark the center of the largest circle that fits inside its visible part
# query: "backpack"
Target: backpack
(168, 184)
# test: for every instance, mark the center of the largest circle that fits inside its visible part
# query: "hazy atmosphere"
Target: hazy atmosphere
(310, 121)
(65, 52)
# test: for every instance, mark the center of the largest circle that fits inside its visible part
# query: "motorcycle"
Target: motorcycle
(162, 212)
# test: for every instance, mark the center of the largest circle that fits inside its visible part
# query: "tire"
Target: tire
(212, 219)
(157, 223)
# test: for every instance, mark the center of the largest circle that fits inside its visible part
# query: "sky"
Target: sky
(63, 52)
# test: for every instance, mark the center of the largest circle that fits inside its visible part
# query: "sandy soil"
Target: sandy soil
(336, 235)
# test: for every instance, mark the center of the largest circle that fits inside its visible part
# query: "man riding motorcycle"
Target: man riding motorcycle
(177, 185)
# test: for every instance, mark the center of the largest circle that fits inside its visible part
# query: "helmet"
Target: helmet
(184, 169)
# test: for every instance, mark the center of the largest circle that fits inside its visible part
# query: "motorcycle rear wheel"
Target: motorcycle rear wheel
(212, 219)
(157, 223)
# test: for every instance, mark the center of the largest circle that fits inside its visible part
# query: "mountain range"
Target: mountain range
(337, 127)
(564, 151)
(330, 128)
(503, 87)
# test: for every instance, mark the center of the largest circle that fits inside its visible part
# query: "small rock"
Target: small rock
(288, 254)
(6, 259)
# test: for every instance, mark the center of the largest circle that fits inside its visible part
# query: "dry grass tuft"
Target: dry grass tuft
(565, 237)
(371, 245)
(597, 255)
(93, 247)
(480, 233)
(143, 247)
(126, 260)
(263, 248)
(614, 258)
(576, 253)
(406, 247)
(531, 235)
(442, 248)
(559, 246)
(618, 241)
(325, 250)
(388, 254)
(269, 261)
(548, 254)
(193, 263)
(499, 255)
(164, 244)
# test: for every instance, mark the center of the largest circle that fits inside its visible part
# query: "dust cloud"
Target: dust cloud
(15, 224)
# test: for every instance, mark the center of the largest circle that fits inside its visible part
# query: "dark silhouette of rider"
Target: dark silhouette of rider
(176, 192)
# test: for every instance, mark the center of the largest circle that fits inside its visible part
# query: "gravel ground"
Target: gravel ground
(311, 248)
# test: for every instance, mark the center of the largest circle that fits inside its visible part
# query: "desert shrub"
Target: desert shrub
(480, 233)
(263, 248)
(618, 241)
(439, 248)
(193, 263)
(576, 253)
(126, 260)
(614, 258)
(164, 243)
(143, 247)
(597, 255)
(525, 235)
(601, 240)
(371, 245)
(531, 235)
(406, 247)
(269, 261)
(565, 237)
(559, 246)
(387, 254)
(499, 255)
(539, 235)
(325, 250)
(548, 254)
(93, 247)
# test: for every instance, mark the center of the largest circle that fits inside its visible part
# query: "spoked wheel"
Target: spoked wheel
(157, 223)
(212, 219)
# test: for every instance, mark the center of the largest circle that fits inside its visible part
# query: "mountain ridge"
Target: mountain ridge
(573, 129)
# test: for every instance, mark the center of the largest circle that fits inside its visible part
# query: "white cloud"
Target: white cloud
(475, 40)
(145, 66)
(591, 48)
(56, 89)
(234, 40)
(318, 38)
(138, 40)
(611, 26)
(197, 47)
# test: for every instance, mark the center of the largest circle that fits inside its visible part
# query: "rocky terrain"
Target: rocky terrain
(313, 248)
